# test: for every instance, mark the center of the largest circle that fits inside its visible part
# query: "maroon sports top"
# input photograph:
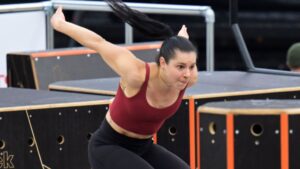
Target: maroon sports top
(136, 115)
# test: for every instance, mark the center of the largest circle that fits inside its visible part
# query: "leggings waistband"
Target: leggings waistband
(109, 133)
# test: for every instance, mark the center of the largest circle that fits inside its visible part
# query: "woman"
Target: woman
(148, 94)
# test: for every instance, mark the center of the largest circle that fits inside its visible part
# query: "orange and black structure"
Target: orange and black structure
(178, 134)
(38, 69)
(47, 130)
(249, 134)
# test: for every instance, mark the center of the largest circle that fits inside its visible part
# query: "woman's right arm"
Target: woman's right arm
(120, 59)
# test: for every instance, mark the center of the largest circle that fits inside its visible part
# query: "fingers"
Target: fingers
(183, 32)
(57, 18)
(183, 28)
(59, 9)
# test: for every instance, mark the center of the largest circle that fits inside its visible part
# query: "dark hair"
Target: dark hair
(152, 28)
(140, 21)
(170, 45)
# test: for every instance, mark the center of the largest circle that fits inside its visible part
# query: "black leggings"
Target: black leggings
(111, 150)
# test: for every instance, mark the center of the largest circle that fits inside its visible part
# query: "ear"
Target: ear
(162, 61)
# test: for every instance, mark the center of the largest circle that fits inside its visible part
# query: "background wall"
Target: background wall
(268, 26)
(21, 31)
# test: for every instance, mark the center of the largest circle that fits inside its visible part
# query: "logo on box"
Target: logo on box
(6, 160)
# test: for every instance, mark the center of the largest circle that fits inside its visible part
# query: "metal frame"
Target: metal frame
(233, 20)
(41, 6)
(48, 7)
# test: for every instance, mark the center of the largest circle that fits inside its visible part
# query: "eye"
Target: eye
(180, 67)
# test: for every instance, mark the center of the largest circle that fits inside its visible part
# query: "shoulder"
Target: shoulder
(140, 75)
(137, 77)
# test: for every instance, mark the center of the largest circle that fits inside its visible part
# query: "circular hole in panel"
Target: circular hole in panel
(256, 129)
(2, 144)
(212, 128)
(60, 139)
(31, 142)
(172, 131)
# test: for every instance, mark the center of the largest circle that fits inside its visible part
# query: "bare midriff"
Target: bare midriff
(123, 131)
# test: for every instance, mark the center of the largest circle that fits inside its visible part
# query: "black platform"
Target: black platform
(249, 134)
(259, 107)
(43, 129)
(215, 84)
(40, 68)
(178, 132)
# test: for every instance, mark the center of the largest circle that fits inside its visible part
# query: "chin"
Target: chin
(181, 86)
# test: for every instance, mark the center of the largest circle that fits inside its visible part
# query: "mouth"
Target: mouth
(183, 82)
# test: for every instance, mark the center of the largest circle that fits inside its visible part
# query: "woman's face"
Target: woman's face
(178, 72)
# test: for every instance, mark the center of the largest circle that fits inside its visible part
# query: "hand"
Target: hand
(57, 18)
(183, 32)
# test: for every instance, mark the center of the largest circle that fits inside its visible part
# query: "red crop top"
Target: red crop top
(136, 115)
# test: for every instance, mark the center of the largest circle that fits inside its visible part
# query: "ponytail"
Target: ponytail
(140, 21)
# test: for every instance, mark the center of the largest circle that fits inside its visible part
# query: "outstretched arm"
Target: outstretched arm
(120, 59)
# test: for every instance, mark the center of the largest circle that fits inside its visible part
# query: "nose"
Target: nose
(187, 73)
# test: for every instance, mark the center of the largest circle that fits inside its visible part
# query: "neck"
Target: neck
(162, 83)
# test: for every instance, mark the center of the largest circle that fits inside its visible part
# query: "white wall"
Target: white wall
(20, 31)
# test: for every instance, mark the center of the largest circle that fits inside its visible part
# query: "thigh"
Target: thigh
(115, 157)
(161, 158)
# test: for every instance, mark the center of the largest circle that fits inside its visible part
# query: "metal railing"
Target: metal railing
(48, 7)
